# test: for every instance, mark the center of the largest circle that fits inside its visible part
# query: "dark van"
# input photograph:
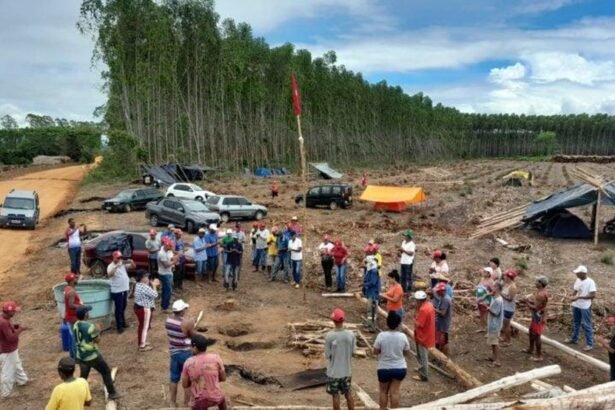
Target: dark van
(331, 196)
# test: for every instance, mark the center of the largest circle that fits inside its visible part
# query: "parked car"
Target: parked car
(235, 207)
(183, 213)
(97, 253)
(331, 195)
(131, 199)
(21, 209)
(188, 191)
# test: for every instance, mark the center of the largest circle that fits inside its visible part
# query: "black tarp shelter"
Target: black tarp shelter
(326, 171)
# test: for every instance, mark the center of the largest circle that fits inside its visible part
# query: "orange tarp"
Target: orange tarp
(393, 194)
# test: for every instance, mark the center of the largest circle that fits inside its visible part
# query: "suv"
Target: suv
(183, 213)
(131, 199)
(188, 191)
(332, 196)
(235, 207)
(20, 209)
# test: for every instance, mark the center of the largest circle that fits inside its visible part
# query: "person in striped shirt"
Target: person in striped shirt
(146, 292)
(180, 330)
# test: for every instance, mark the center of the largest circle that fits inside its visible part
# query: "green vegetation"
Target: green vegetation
(606, 258)
(522, 264)
(120, 159)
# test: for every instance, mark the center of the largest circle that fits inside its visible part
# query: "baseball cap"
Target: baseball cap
(200, 342)
(167, 241)
(229, 231)
(171, 226)
(409, 233)
(10, 307)
(338, 315)
(420, 295)
(66, 364)
(201, 230)
(611, 320)
(213, 227)
(511, 273)
(179, 306)
(82, 310)
(117, 254)
(440, 287)
(141, 274)
(580, 269)
(70, 276)
(436, 254)
(294, 218)
(153, 231)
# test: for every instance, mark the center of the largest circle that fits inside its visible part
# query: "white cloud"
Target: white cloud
(539, 6)
(555, 66)
(507, 74)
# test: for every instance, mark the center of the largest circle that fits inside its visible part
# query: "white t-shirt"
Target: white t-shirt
(119, 281)
(370, 262)
(165, 256)
(584, 288)
(392, 346)
(442, 268)
(294, 246)
(325, 248)
(407, 246)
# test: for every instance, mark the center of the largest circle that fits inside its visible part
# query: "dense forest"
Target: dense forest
(190, 86)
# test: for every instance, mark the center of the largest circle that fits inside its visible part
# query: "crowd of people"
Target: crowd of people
(277, 251)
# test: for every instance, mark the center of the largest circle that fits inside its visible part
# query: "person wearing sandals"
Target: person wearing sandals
(390, 347)
(509, 292)
(495, 318)
(146, 293)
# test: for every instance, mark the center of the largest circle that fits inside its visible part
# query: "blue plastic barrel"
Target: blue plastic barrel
(93, 292)
(66, 336)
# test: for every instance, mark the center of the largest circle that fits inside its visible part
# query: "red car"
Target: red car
(97, 252)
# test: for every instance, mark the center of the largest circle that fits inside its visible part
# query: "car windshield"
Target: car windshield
(19, 203)
(124, 195)
(195, 206)
(195, 187)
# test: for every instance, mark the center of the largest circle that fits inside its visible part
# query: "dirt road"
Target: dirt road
(56, 188)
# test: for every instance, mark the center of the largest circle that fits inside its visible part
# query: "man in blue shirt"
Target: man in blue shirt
(199, 245)
(169, 233)
(282, 259)
(211, 239)
(233, 250)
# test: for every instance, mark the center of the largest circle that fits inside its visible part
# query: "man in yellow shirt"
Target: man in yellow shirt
(272, 249)
(73, 393)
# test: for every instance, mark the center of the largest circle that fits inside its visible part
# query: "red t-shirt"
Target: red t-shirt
(204, 370)
(339, 253)
(70, 315)
(425, 326)
(9, 336)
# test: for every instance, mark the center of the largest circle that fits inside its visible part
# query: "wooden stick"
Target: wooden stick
(568, 389)
(365, 398)
(247, 403)
(364, 339)
(337, 295)
(493, 387)
(597, 222)
(198, 318)
(583, 357)
(461, 375)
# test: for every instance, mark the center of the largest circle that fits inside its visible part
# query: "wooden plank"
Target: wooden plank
(493, 387)
(597, 222)
(583, 357)
(337, 295)
(365, 398)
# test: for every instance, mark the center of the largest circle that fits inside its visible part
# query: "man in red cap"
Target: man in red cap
(609, 346)
(153, 245)
(444, 309)
(71, 302)
(339, 347)
(118, 277)
(12, 371)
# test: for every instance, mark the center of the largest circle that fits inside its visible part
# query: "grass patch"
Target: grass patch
(606, 258)
(466, 191)
(522, 264)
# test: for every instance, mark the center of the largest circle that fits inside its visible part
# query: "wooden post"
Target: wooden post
(466, 379)
(493, 387)
(583, 357)
(597, 218)
(304, 213)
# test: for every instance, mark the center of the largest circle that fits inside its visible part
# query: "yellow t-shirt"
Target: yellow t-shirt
(272, 250)
(70, 395)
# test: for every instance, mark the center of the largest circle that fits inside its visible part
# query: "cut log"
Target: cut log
(365, 398)
(568, 389)
(583, 357)
(466, 379)
(337, 295)
(493, 387)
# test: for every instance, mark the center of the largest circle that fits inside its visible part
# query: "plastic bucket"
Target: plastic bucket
(93, 292)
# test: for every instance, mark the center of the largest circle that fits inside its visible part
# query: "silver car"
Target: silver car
(235, 207)
(184, 213)
(21, 209)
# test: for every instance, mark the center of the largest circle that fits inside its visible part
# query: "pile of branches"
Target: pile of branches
(309, 337)
(597, 159)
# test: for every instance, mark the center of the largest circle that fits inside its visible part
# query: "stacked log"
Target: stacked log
(509, 219)
(309, 337)
(596, 159)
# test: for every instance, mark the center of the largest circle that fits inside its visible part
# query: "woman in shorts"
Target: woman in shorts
(392, 368)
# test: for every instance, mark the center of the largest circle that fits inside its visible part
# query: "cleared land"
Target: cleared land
(262, 309)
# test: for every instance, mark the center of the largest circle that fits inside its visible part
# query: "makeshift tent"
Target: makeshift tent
(326, 171)
(262, 172)
(159, 174)
(392, 198)
(564, 225)
(516, 178)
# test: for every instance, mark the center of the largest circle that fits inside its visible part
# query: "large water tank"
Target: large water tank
(93, 292)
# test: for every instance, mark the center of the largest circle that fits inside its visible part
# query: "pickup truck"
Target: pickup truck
(187, 214)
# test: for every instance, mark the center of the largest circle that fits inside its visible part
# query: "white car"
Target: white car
(188, 191)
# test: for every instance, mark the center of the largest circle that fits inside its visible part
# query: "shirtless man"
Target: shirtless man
(538, 305)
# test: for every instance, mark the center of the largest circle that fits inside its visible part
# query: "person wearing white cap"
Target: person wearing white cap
(424, 333)
(584, 290)
(199, 245)
(179, 330)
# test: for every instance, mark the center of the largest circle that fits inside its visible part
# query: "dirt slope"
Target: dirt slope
(56, 188)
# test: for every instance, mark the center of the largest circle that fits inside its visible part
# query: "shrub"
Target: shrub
(606, 258)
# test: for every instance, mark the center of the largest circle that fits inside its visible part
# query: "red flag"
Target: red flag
(296, 97)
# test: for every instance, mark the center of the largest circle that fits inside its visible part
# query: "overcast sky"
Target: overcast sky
(523, 56)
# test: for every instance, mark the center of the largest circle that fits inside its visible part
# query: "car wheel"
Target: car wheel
(333, 206)
(153, 220)
(98, 269)
(127, 208)
(170, 195)
(198, 198)
(225, 217)
(299, 203)
(190, 227)
(259, 215)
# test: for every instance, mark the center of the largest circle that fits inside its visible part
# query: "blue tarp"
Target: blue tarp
(262, 172)
(576, 196)
(565, 225)
(326, 171)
